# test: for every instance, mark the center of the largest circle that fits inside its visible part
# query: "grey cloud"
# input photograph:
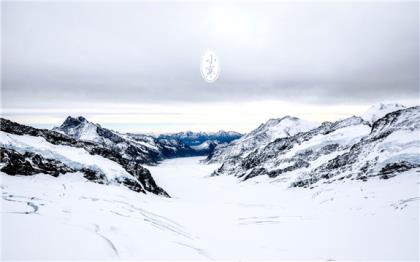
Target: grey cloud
(352, 52)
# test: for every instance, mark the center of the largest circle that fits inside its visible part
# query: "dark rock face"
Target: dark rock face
(71, 122)
(392, 169)
(28, 164)
(16, 163)
(143, 174)
(142, 179)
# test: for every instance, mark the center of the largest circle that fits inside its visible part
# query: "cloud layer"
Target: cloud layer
(56, 55)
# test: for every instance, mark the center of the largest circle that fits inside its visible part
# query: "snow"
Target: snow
(278, 128)
(401, 145)
(271, 130)
(203, 146)
(346, 136)
(89, 133)
(150, 144)
(287, 126)
(71, 156)
(379, 110)
(209, 218)
(86, 131)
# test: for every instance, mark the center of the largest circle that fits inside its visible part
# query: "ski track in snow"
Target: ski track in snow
(107, 240)
(209, 218)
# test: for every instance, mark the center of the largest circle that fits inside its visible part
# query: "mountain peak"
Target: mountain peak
(278, 120)
(73, 121)
(288, 122)
(82, 119)
(383, 106)
(79, 128)
(379, 110)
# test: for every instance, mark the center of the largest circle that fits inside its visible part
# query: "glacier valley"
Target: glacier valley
(209, 217)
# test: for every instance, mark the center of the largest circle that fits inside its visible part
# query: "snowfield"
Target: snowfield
(69, 218)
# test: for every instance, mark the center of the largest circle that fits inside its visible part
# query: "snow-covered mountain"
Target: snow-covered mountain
(392, 147)
(293, 154)
(27, 151)
(143, 149)
(260, 137)
(351, 148)
(205, 146)
(101, 155)
(380, 110)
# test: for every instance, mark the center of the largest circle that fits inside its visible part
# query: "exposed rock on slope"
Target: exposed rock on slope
(351, 148)
(28, 163)
(291, 155)
(14, 163)
(393, 146)
(260, 137)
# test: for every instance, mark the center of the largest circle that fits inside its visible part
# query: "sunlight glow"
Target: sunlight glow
(162, 118)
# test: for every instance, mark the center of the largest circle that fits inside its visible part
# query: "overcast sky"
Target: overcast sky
(135, 66)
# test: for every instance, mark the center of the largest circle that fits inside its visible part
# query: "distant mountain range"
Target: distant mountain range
(198, 138)
(145, 149)
(382, 143)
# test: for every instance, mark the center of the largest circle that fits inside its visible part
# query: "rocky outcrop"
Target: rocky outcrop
(27, 164)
